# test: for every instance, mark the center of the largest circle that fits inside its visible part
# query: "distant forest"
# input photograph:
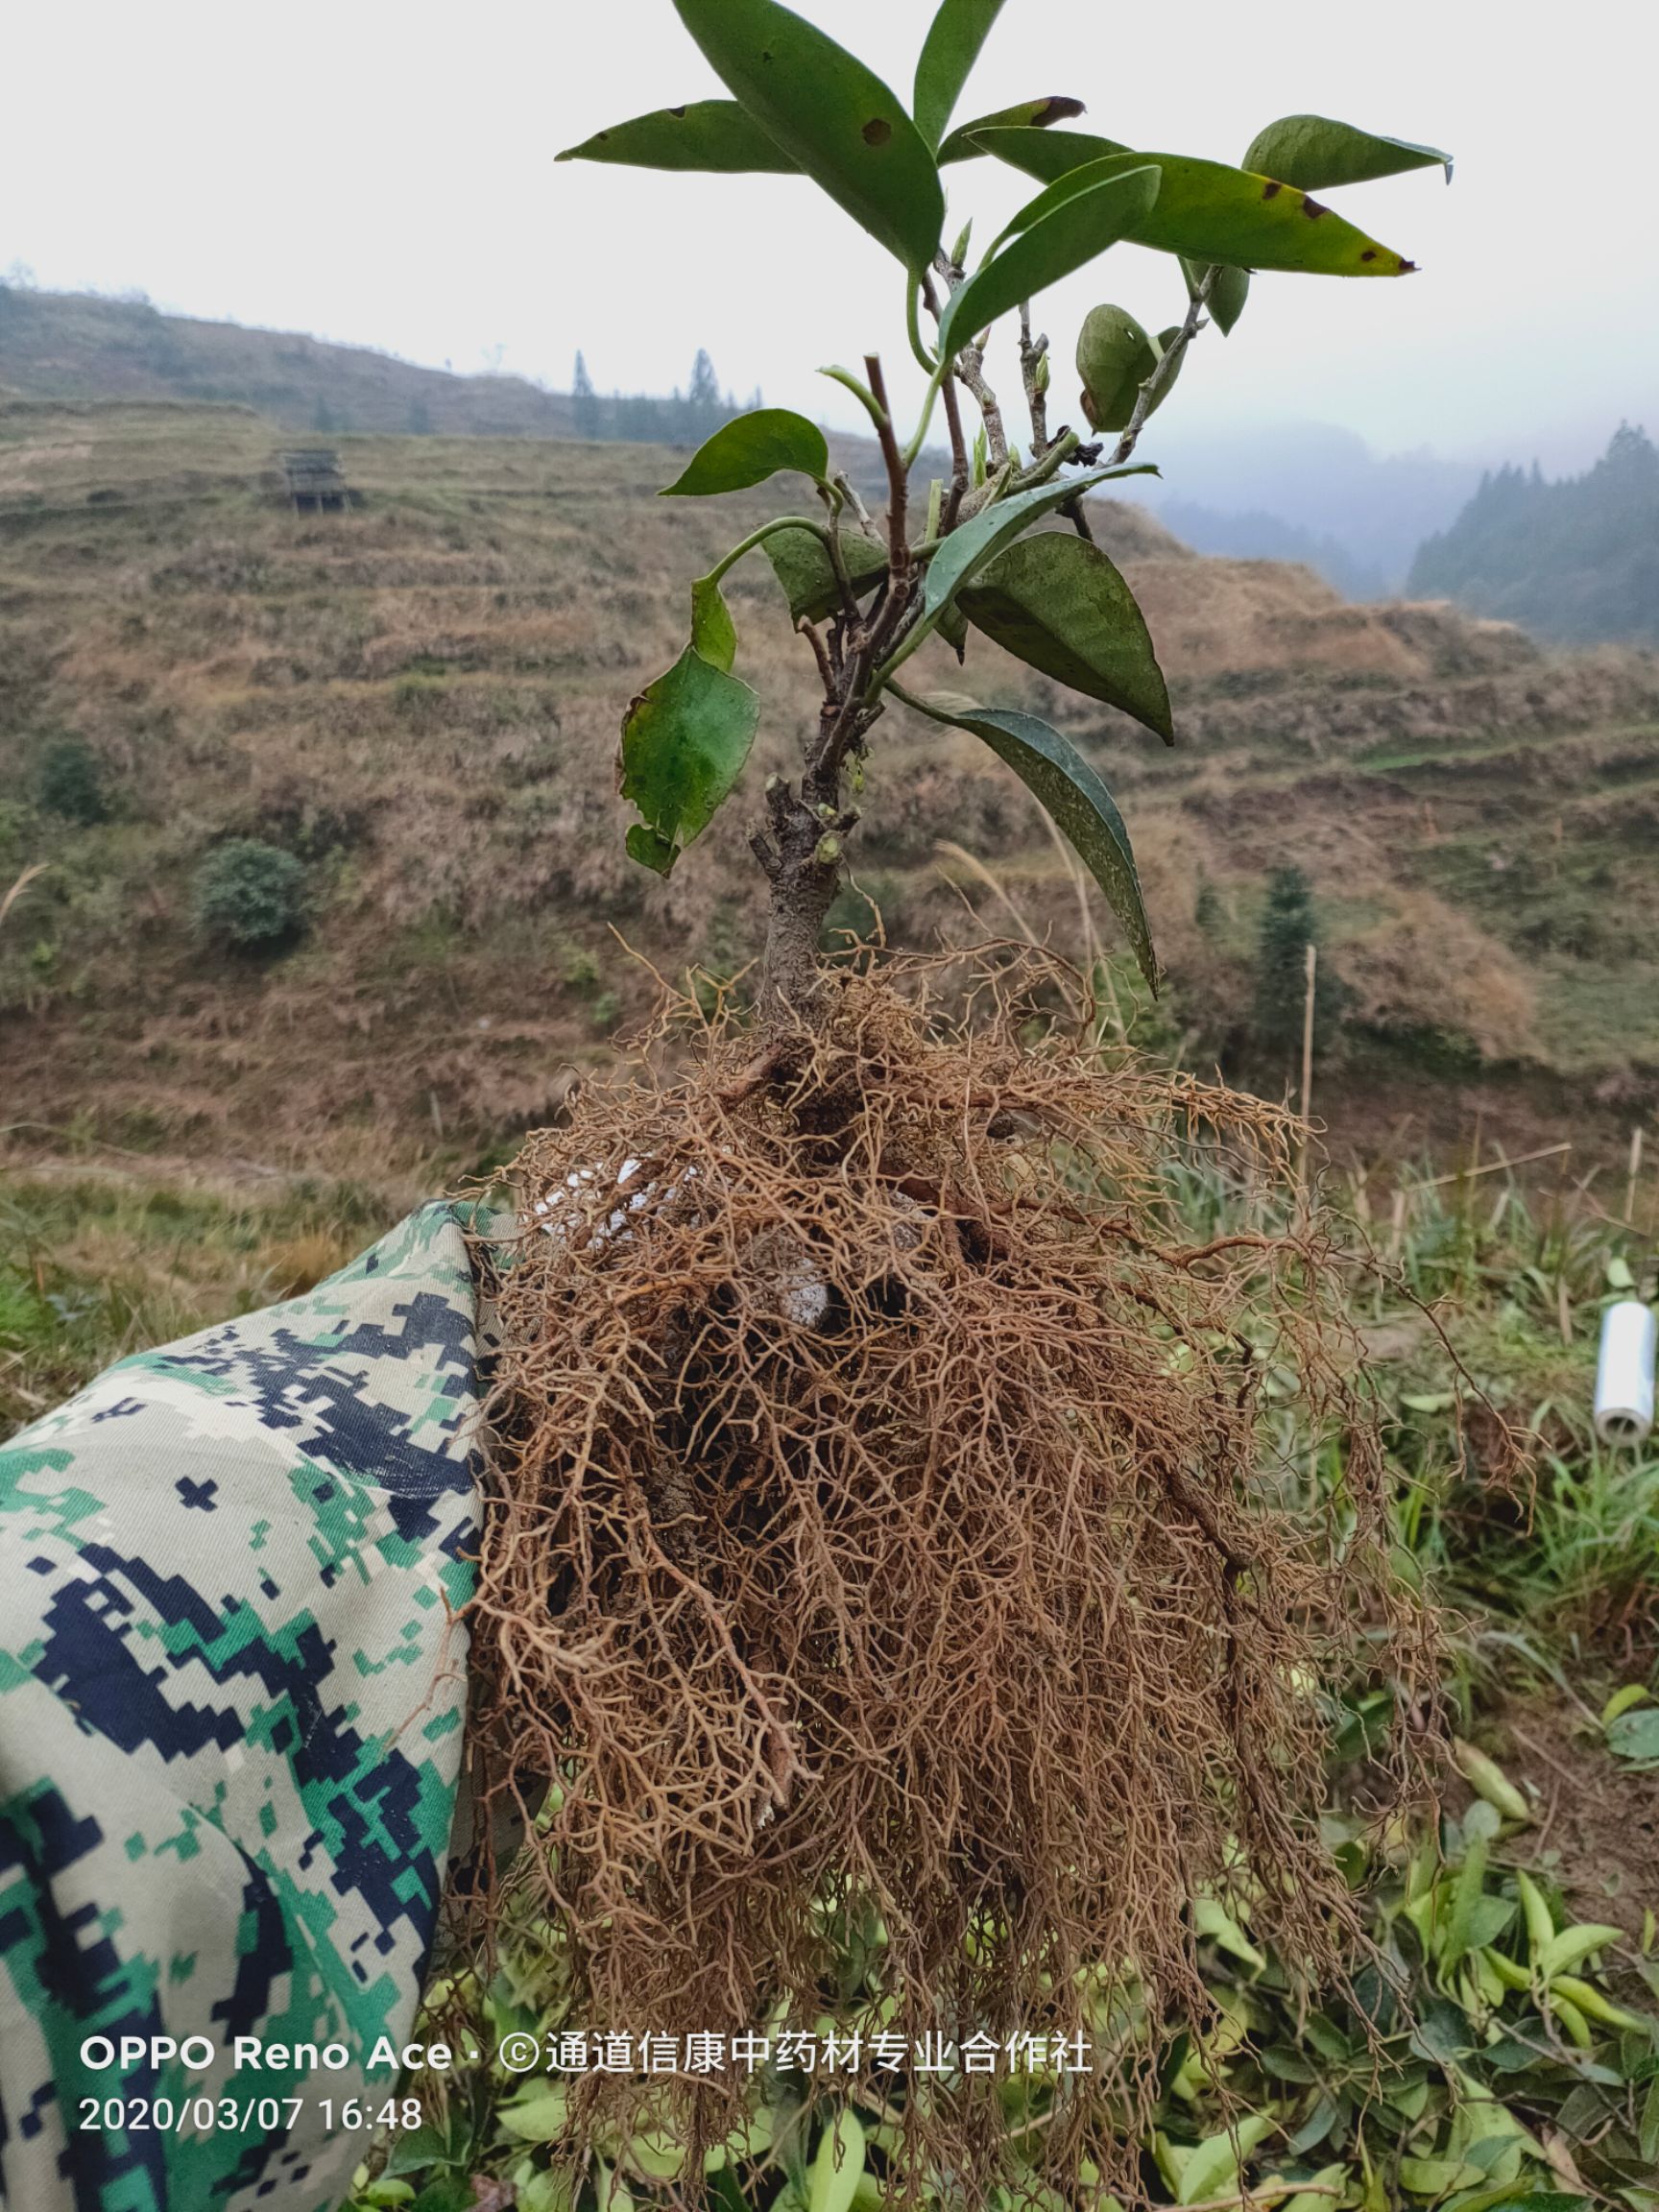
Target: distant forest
(1575, 559)
(639, 418)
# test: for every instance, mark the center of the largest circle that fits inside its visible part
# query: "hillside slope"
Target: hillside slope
(72, 346)
(1573, 560)
(420, 699)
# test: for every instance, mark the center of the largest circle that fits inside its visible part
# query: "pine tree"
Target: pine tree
(585, 402)
(1289, 926)
(704, 409)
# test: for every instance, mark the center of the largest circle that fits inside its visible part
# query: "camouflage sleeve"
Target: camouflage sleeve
(231, 1697)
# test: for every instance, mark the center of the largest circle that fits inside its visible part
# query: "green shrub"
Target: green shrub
(69, 781)
(249, 894)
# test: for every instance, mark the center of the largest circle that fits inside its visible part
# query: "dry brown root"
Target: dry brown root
(889, 1502)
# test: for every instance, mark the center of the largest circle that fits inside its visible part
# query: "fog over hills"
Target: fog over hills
(1308, 491)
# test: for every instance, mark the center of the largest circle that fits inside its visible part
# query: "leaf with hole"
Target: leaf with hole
(684, 740)
(801, 566)
(749, 449)
(1050, 245)
(958, 31)
(1059, 604)
(1114, 358)
(1068, 789)
(1025, 114)
(1206, 211)
(1316, 153)
(713, 135)
(831, 115)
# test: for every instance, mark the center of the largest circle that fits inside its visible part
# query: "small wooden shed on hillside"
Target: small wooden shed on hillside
(315, 479)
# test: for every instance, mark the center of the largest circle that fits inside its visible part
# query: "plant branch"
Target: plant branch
(958, 490)
(898, 477)
(1034, 375)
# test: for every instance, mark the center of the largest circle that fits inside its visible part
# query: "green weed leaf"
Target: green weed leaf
(1206, 211)
(958, 31)
(1057, 602)
(1316, 153)
(716, 136)
(1634, 1737)
(684, 741)
(831, 115)
(1064, 783)
(1049, 243)
(749, 449)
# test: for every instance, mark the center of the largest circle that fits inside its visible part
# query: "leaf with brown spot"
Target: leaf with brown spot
(1025, 114)
(1205, 211)
(717, 136)
(823, 107)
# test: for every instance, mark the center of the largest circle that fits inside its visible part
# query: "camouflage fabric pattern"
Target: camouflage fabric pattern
(231, 1698)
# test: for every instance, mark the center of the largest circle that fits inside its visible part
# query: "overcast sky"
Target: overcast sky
(381, 172)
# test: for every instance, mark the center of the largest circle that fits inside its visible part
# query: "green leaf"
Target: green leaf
(1315, 152)
(1048, 244)
(1209, 1917)
(834, 117)
(714, 632)
(1206, 211)
(1059, 777)
(967, 549)
(448, 2193)
(1433, 2178)
(538, 2116)
(800, 565)
(1635, 1736)
(749, 449)
(684, 742)
(1327, 2188)
(1114, 358)
(1574, 1944)
(1025, 114)
(1488, 1780)
(1229, 290)
(716, 136)
(836, 2166)
(953, 46)
(1058, 603)
(1211, 2167)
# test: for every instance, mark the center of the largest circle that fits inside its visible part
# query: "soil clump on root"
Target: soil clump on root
(899, 1527)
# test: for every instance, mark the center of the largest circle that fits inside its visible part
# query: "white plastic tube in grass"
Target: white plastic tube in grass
(1624, 1373)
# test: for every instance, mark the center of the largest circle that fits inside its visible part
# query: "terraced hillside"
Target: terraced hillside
(419, 699)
